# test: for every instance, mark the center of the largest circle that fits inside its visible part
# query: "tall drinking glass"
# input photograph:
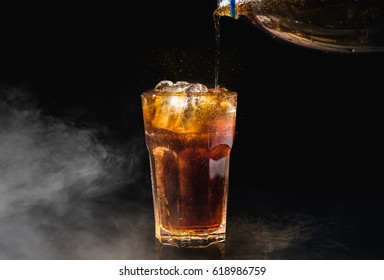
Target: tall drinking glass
(189, 132)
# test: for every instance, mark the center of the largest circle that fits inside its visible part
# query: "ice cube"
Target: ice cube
(196, 88)
(197, 112)
(169, 110)
(228, 106)
(169, 86)
(181, 86)
(163, 86)
(184, 110)
(181, 113)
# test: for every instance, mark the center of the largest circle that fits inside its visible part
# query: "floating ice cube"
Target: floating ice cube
(169, 86)
(163, 86)
(196, 88)
(180, 86)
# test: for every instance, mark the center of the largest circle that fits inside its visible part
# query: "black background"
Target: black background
(309, 122)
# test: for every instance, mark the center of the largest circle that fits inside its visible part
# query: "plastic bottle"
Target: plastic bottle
(327, 25)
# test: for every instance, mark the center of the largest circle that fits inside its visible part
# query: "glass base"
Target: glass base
(214, 251)
(191, 241)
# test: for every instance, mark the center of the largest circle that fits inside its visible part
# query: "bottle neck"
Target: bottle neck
(231, 4)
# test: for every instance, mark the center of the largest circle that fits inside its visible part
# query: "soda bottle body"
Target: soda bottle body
(330, 25)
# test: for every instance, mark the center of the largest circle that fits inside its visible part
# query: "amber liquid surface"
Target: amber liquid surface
(189, 152)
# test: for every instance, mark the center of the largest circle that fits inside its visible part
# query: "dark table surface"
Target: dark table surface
(74, 175)
(83, 227)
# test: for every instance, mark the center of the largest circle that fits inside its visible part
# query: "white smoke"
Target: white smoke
(58, 186)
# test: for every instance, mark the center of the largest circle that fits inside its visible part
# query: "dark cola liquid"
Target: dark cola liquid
(190, 179)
